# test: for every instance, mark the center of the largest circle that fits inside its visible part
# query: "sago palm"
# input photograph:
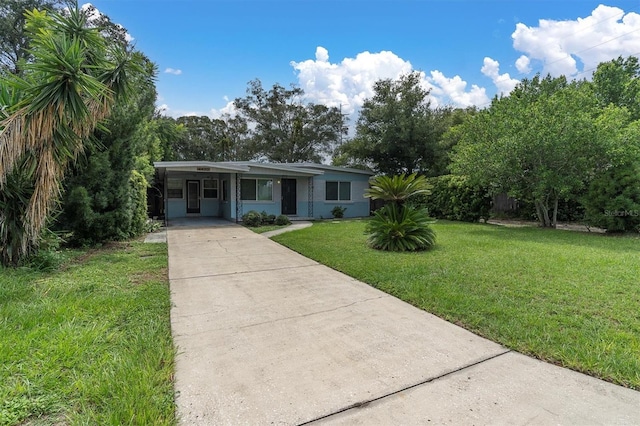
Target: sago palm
(397, 188)
(51, 110)
(399, 226)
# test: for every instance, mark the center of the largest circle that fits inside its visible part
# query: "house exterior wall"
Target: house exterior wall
(274, 206)
(211, 207)
(357, 206)
(227, 204)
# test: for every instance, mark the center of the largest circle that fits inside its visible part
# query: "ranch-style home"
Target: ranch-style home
(230, 189)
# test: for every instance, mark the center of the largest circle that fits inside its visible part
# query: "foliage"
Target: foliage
(89, 343)
(397, 189)
(282, 220)
(400, 228)
(539, 144)
(397, 130)
(267, 219)
(617, 82)
(204, 139)
(338, 211)
(613, 199)
(282, 128)
(14, 42)
(568, 298)
(68, 88)
(113, 171)
(252, 218)
(456, 198)
(14, 199)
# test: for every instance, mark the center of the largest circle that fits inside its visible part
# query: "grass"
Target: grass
(569, 298)
(266, 228)
(89, 343)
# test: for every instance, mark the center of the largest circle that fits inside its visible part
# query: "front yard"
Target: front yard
(566, 297)
(90, 343)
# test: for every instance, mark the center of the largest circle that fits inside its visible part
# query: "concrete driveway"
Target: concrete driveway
(266, 336)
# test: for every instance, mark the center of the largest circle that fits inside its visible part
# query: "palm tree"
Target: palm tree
(399, 226)
(397, 188)
(49, 112)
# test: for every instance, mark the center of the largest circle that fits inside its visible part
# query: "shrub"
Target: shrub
(282, 220)
(338, 211)
(267, 219)
(252, 218)
(454, 198)
(399, 225)
(400, 228)
(613, 199)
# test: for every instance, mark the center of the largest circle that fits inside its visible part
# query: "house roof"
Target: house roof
(291, 169)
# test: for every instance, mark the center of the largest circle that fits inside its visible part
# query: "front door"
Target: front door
(289, 201)
(193, 196)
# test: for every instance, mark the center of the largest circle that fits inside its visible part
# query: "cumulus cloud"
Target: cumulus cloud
(349, 82)
(523, 64)
(503, 82)
(571, 47)
(453, 91)
(94, 15)
(173, 71)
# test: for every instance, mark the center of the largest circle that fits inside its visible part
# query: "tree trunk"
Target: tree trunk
(555, 211)
(542, 211)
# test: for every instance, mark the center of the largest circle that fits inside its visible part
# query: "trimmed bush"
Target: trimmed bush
(252, 218)
(282, 220)
(267, 219)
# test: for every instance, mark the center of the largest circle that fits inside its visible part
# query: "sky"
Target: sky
(467, 50)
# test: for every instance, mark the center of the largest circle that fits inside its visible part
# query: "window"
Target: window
(256, 189)
(338, 191)
(210, 188)
(174, 188)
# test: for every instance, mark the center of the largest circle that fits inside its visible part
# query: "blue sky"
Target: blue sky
(468, 50)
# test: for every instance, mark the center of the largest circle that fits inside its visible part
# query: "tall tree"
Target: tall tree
(105, 191)
(68, 88)
(284, 129)
(617, 82)
(539, 144)
(397, 130)
(14, 42)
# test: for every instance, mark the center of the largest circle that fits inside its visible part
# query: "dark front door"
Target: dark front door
(289, 201)
(193, 196)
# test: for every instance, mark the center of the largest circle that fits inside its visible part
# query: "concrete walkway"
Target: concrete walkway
(267, 336)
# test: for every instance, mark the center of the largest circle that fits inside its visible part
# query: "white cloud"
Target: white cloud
(453, 91)
(349, 82)
(503, 82)
(173, 71)
(523, 64)
(571, 47)
(93, 15)
(229, 108)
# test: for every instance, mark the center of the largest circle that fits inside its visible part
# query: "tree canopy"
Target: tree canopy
(397, 130)
(282, 128)
(540, 144)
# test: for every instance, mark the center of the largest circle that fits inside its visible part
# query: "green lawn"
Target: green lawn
(566, 297)
(90, 343)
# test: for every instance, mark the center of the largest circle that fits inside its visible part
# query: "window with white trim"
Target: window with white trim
(256, 189)
(338, 191)
(174, 188)
(210, 188)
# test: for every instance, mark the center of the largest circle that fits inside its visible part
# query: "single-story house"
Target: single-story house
(232, 188)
